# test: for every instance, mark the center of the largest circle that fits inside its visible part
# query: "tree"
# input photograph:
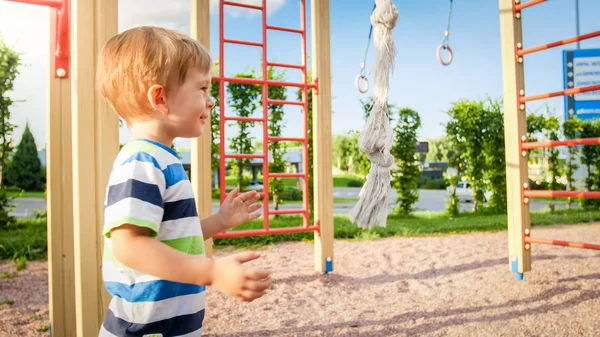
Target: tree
(591, 159)
(25, 169)
(466, 132)
(494, 150)
(243, 99)
(10, 60)
(571, 128)
(405, 178)
(276, 123)
(552, 130)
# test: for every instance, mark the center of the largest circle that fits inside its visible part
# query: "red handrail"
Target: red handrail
(556, 143)
(567, 92)
(562, 42)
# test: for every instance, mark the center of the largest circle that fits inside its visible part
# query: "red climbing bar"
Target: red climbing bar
(563, 42)
(256, 232)
(556, 143)
(50, 3)
(519, 7)
(285, 65)
(287, 175)
(237, 4)
(243, 119)
(280, 102)
(285, 29)
(562, 243)
(567, 194)
(246, 43)
(288, 211)
(244, 80)
(288, 139)
(244, 156)
(567, 92)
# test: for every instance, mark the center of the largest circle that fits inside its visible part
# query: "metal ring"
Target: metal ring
(358, 84)
(439, 54)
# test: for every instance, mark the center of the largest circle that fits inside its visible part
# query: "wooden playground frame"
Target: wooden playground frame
(83, 140)
(516, 144)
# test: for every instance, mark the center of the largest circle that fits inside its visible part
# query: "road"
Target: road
(429, 201)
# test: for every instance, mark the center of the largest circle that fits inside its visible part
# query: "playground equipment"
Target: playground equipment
(517, 146)
(83, 140)
(376, 137)
(445, 45)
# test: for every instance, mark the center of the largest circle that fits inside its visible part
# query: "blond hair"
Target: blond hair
(134, 60)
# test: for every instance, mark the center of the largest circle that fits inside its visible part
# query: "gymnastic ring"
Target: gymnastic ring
(358, 83)
(439, 54)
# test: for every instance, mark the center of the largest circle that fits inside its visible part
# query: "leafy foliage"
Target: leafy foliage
(10, 61)
(405, 178)
(276, 123)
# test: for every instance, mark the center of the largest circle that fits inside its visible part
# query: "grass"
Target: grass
(27, 239)
(25, 194)
(414, 225)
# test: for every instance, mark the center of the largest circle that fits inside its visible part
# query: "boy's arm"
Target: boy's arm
(159, 259)
(212, 225)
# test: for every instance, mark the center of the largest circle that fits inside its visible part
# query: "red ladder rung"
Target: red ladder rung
(530, 3)
(562, 42)
(288, 211)
(556, 143)
(286, 139)
(568, 92)
(247, 43)
(566, 194)
(244, 156)
(244, 119)
(285, 29)
(280, 102)
(260, 81)
(570, 244)
(285, 65)
(270, 231)
(238, 4)
(287, 175)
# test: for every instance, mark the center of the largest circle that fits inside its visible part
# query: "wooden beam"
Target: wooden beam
(95, 145)
(59, 188)
(515, 126)
(322, 142)
(201, 173)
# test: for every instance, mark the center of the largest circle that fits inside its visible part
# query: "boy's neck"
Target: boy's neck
(150, 130)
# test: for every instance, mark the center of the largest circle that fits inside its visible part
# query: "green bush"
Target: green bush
(429, 183)
(6, 206)
(355, 183)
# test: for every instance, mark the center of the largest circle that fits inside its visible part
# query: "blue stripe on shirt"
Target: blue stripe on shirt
(135, 189)
(174, 173)
(175, 326)
(152, 291)
(179, 209)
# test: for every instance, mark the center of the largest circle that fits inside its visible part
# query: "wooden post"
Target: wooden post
(61, 278)
(323, 177)
(95, 146)
(201, 173)
(515, 127)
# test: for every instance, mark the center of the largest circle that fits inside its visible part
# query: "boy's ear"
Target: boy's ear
(157, 98)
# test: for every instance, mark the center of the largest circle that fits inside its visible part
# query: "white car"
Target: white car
(464, 192)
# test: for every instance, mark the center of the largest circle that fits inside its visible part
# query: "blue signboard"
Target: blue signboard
(581, 68)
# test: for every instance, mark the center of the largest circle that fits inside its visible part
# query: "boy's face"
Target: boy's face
(190, 105)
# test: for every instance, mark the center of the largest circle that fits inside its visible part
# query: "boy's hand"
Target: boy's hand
(236, 210)
(234, 279)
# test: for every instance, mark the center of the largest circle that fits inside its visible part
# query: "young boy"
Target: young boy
(154, 264)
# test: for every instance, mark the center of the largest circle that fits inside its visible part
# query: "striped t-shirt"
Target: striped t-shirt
(148, 187)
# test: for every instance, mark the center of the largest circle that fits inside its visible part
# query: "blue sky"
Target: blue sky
(419, 81)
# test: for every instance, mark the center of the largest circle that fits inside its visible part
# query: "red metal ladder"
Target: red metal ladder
(265, 82)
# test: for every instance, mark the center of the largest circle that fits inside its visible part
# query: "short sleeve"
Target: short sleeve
(135, 194)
